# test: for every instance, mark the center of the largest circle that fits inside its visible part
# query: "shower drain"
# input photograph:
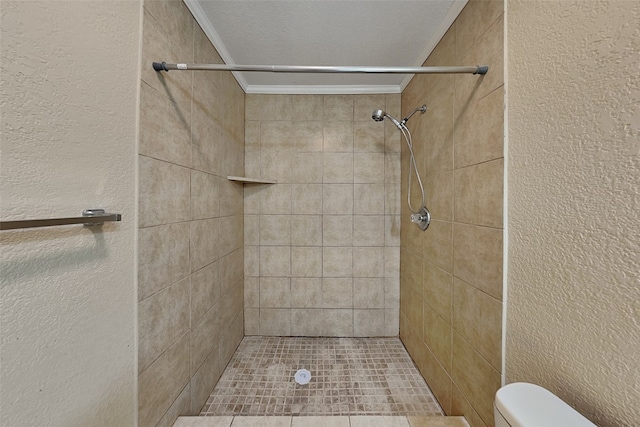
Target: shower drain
(302, 376)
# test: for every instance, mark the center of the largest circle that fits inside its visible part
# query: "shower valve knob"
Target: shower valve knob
(422, 219)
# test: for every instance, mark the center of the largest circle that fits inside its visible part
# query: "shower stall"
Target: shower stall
(309, 254)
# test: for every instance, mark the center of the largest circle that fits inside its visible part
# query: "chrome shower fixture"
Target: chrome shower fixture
(421, 217)
(379, 115)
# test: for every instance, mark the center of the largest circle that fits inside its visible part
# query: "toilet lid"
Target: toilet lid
(529, 405)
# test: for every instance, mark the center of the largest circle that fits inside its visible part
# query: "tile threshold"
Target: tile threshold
(321, 421)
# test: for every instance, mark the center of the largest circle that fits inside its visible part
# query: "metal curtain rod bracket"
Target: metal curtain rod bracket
(90, 217)
(476, 69)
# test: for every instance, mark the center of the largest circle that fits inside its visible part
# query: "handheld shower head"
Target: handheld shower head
(379, 115)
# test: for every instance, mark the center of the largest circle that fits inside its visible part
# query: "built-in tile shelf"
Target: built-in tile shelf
(251, 180)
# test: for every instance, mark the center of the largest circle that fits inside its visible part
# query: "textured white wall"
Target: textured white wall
(574, 203)
(67, 304)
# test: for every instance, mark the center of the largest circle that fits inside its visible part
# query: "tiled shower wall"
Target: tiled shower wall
(451, 275)
(321, 245)
(190, 316)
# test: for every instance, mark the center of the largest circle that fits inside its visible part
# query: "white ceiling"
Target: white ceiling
(324, 32)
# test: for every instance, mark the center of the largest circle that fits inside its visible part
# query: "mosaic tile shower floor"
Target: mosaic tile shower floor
(350, 376)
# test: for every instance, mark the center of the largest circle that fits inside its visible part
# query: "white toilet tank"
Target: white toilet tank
(529, 405)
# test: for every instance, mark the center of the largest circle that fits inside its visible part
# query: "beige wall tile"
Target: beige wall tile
(306, 292)
(279, 106)
(276, 199)
(337, 230)
(479, 131)
(163, 257)
(368, 138)
(368, 262)
(307, 323)
(205, 290)
(437, 378)
(306, 199)
(338, 137)
(253, 107)
(306, 261)
(252, 166)
(369, 199)
(437, 336)
(337, 292)
(306, 230)
(275, 230)
(368, 323)
(411, 271)
(251, 136)
(161, 383)
(251, 292)
(338, 108)
(203, 239)
(337, 322)
(276, 135)
(438, 246)
(164, 192)
(251, 261)
(204, 195)
(392, 169)
(478, 194)
(206, 335)
(368, 293)
(157, 42)
(203, 381)
(337, 199)
(275, 292)
(414, 312)
(275, 261)
(337, 168)
(251, 230)
(478, 257)
(308, 136)
(392, 230)
(337, 262)
(391, 322)
(306, 168)
(473, 22)
(232, 194)
(276, 165)
(182, 405)
(439, 122)
(307, 107)
(477, 317)
(489, 51)
(391, 292)
(251, 321)
(368, 230)
(206, 137)
(368, 168)
(439, 195)
(162, 318)
(165, 128)
(438, 290)
(460, 405)
(475, 377)
(275, 322)
(231, 269)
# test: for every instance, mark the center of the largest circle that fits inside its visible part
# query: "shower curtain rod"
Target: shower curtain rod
(476, 69)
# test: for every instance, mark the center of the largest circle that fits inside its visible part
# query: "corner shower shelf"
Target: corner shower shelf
(245, 180)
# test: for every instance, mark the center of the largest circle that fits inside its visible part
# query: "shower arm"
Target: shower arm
(475, 69)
